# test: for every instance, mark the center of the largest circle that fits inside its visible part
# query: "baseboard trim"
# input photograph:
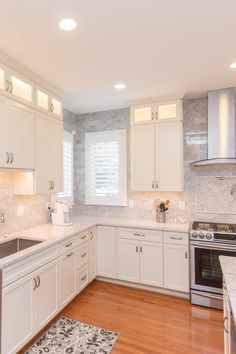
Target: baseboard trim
(146, 287)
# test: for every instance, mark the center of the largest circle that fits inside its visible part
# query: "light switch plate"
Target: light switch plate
(181, 205)
(20, 210)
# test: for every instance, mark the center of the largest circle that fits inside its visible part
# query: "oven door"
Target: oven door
(206, 273)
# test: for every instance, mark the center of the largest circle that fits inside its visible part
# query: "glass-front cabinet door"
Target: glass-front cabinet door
(48, 103)
(56, 107)
(171, 110)
(142, 114)
(20, 88)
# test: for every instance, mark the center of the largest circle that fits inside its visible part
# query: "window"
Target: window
(105, 168)
(67, 193)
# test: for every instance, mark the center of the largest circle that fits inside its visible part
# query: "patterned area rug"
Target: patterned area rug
(69, 336)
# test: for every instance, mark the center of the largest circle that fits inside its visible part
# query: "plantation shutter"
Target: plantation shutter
(67, 193)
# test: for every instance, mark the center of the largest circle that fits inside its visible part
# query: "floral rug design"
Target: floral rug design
(68, 336)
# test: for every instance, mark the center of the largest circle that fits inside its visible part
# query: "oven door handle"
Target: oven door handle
(211, 247)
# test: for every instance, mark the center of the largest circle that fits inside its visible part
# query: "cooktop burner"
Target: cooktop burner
(213, 227)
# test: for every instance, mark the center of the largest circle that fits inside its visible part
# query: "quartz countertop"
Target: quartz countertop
(228, 266)
(51, 234)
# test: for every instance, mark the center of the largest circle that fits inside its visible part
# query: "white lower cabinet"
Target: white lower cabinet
(82, 278)
(151, 263)
(140, 262)
(92, 254)
(67, 277)
(106, 251)
(176, 267)
(17, 315)
(27, 305)
(46, 294)
(128, 260)
(226, 321)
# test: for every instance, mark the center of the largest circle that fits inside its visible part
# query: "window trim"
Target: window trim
(120, 200)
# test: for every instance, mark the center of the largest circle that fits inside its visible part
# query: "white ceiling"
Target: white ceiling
(158, 48)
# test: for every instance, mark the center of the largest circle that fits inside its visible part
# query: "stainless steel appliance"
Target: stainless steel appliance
(208, 241)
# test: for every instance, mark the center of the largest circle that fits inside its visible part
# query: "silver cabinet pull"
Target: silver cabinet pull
(52, 185)
(52, 107)
(38, 278)
(152, 115)
(69, 255)
(141, 249)
(35, 284)
(11, 157)
(82, 279)
(91, 238)
(7, 85)
(176, 238)
(83, 255)
(157, 186)
(11, 87)
(153, 185)
(140, 235)
(137, 249)
(69, 244)
(226, 329)
(156, 115)
(83, 237)
(186, 255)
(7, 157)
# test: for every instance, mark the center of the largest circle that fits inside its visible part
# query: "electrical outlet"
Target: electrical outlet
(20, 210)
(182, 206)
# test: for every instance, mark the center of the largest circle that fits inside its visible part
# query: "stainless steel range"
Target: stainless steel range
(208, 241)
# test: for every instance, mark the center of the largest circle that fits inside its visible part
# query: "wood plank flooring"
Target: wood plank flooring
(148, 322)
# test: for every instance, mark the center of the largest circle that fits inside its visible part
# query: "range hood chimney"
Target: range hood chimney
(221, 128)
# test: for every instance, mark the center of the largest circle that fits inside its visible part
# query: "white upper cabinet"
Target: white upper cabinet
(169, 157)
(156, 112)
(48, 103)
(143, 157)
(17, 135)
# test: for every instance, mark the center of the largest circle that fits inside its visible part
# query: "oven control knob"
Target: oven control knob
(201, 235)
(194, 234)
(209, 236)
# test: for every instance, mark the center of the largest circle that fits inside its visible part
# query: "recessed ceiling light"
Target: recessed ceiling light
(67, 24)
(233, 66)
(120, 86)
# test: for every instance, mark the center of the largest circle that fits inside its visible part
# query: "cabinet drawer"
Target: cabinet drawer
(83, 255)
(140, 234)
(23, 267)
(175, 238)
(82, 278)
(68, 244)
(83, 237)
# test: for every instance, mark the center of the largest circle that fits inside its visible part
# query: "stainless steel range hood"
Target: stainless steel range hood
(221, 128)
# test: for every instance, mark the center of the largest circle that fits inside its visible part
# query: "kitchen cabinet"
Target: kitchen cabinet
(156, 112)
(28, 305)
(45, 294)
(157, 157)
(176, 267)
(48, 154)
(226, 321)
(17, 315)
(82, 278)
(67, 277)
(92, 255)
(17, 135)
(140, 262)
(106, 251)
(48, 103)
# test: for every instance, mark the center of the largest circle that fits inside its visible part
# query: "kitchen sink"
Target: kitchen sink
(16, 245)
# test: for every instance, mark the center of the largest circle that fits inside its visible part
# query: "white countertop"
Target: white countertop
(51, 234)
(228, 265)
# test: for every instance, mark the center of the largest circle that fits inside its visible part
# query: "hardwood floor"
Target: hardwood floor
(147, 322)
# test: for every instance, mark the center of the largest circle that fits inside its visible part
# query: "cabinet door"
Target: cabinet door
(143, 158)
(176, 267)
(55, 154)
(67, 278)
(20, 135)
(167, 111)
(151, 263)
(42, 100)
(21, 88)
(106, 238)
(142, 114)
(128, 260)
(169, 157)
(17, 315)
(226, 322)
(92, 255)
(56, 107)
(46, 295)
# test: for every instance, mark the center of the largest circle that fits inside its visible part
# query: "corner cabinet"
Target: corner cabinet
(48, 154)
(157, 157)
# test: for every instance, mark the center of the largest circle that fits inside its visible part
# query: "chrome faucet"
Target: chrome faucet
(2, 216)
